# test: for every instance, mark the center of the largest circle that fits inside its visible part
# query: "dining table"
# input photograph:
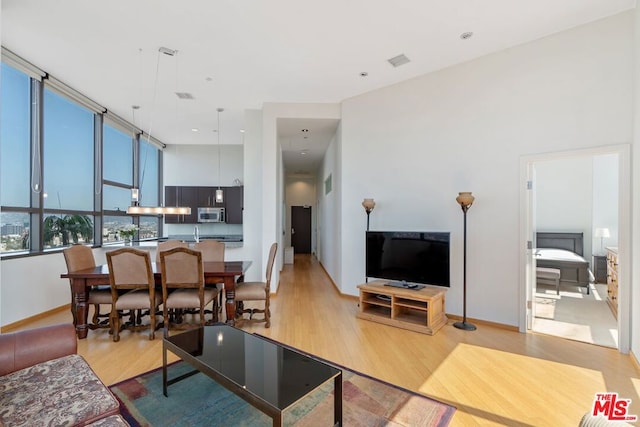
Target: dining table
(83, 280)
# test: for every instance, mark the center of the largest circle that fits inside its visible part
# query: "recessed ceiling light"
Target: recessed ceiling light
(241, 130)
(194, 129)
(467, 35)
(364, 74)
(305, 130)
(304, 152)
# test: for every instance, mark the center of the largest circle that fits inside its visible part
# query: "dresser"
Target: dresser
(612, 279)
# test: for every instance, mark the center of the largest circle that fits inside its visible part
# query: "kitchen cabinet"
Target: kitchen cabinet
(207, 197)
(234, 204)
(195, 197)
(181, 196)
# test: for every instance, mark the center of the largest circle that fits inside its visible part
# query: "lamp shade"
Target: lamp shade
(602, 232)
(368, 204)
(465, 198)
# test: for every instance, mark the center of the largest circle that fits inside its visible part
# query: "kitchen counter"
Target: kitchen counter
(228, 238)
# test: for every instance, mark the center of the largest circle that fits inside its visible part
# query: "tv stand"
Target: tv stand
(419, 310)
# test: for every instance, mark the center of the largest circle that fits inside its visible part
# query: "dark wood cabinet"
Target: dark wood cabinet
(181, 196)
(234, 204)
(207, 197)
(195, 197)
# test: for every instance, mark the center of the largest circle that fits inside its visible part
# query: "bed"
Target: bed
(564, 251)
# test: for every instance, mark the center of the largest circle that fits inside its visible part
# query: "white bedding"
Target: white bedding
(558, 254)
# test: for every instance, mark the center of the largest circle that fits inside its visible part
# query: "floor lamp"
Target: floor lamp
(465, 199)
(368, 205)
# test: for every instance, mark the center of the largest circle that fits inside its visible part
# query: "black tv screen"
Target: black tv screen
(415, 257)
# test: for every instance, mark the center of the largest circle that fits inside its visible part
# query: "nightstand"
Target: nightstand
(599, 264)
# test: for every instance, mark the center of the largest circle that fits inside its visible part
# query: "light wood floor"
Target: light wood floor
(493, 376)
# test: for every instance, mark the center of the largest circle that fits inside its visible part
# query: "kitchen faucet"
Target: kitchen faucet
(196, 234)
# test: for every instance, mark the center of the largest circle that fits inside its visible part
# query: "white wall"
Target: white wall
(415, 145)
(564, 197)
(634, 204)
(605, 198)
(198, 164)
(329, 226)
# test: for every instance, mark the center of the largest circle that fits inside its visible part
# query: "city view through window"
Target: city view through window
(51, 179)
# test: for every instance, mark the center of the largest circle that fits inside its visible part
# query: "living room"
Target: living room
(413, 146)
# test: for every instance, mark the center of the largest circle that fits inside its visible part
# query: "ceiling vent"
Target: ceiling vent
(399, 60)
(184, 95)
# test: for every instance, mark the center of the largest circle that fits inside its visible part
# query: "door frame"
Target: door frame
(527, 215)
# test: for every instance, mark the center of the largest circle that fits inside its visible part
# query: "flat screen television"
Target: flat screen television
(408, 256)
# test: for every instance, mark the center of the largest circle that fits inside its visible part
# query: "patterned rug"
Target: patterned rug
(199, 401)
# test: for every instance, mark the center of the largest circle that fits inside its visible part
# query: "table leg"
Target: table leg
(337, 400)
(230, 293)
(80, 297)
(164, 369)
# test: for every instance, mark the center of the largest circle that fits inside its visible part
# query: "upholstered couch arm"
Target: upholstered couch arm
(22, 349)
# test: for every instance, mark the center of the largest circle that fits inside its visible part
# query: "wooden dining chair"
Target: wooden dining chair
(183, 285)
(213, 251)
(169, 244)
(80, 257)
(257, 291)
(130, 270)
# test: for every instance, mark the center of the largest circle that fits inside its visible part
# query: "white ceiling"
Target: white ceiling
(240, 54)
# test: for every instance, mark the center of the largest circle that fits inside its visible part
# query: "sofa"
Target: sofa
(43, 382)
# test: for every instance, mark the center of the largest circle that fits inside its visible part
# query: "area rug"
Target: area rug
(199, 401)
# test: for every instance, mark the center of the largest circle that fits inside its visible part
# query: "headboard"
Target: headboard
(568, 241)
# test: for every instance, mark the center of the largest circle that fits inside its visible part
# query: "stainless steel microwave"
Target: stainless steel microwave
(211, 215)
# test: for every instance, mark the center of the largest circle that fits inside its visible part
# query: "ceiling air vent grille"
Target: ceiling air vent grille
(184, 95)
(399, 60)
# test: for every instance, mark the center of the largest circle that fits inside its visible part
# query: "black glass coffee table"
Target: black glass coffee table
(267, 375)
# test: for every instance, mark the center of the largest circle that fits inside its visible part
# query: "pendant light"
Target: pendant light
(219, 193)
(135, 208)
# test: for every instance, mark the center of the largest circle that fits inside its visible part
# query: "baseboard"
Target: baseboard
(503, 326)
(335, 286)
(24, 322)
(634, 361)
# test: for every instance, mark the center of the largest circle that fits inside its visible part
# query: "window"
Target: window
(15, 136)
(52, 183)
(68, 181)
(149, 183)
(15, 167)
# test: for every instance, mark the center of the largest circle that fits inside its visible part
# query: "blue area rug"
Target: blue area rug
(199, 401)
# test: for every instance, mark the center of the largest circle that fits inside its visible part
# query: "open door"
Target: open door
(528, 212)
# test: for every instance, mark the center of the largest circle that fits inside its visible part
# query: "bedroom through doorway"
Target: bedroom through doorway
(573, 195)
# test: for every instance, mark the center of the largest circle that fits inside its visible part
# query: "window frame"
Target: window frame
(38, 80)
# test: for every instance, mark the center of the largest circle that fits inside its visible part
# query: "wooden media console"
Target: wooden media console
(420, 310)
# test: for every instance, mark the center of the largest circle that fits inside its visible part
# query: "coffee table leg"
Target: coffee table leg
(164, 370)
(337, 400)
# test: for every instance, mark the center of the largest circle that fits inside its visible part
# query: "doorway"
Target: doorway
(301, 229)
(545, 309)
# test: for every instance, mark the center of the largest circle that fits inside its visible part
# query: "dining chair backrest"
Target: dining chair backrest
(182, 267)
(212, 250)
(169, 244)
(270, 262)
(130, 268)
(78, 257)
